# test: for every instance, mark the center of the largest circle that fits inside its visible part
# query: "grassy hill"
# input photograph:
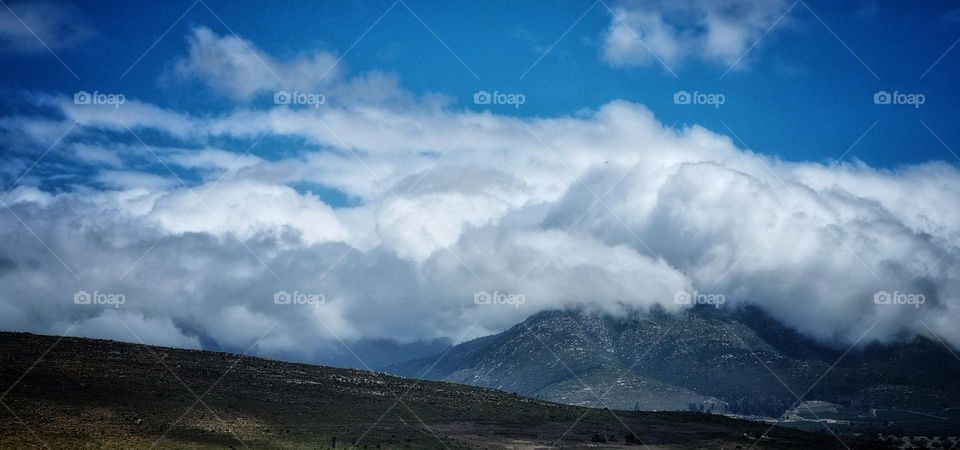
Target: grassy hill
(88, 393)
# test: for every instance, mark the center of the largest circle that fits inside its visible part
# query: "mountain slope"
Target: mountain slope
(518, 361)
(705, 357)
(87, 393)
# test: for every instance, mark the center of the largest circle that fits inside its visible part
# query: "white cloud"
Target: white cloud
(95, 154)
(214, 159)
(446, 203)
(234, 67)
(716, 31)
(239, 70)
(131, 180)
(130, 116)
(246, 209)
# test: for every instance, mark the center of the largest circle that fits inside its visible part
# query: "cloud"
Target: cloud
(213, 159)
(130, 180)
(245, 209)
(238, 69)
(119, 325)
(96, 155)
(57, 26)
(610, 208)
(641, 33)
(234, 67)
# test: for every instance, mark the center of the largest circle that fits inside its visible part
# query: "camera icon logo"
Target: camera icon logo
(482, 98)
(82, 98)
(482, 298)
(682, 298)
(282, 298)
(281, 98)
(682, 98)
(82, 298)
(882, 298)
(882, 98)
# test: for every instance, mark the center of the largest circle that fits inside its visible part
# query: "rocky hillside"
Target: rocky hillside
(700, 359)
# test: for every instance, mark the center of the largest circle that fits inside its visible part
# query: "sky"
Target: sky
(388, 163)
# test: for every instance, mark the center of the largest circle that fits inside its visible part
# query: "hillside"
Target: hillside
(704, 357)
(89, 393)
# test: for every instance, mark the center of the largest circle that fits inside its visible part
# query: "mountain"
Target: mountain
(376, 354)
(86, 393)
(702, 359)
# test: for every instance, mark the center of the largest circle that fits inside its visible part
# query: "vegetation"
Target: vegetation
(101, 394)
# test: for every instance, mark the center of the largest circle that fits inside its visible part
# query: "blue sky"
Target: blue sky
(400, 198)
(786, 97)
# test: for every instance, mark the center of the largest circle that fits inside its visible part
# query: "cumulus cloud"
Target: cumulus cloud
(245, 209)
(611, 208)
(642, 32)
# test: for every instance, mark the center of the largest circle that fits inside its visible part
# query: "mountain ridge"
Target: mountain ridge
(741, 362)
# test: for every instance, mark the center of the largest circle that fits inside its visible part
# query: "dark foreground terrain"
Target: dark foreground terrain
(87, 393)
